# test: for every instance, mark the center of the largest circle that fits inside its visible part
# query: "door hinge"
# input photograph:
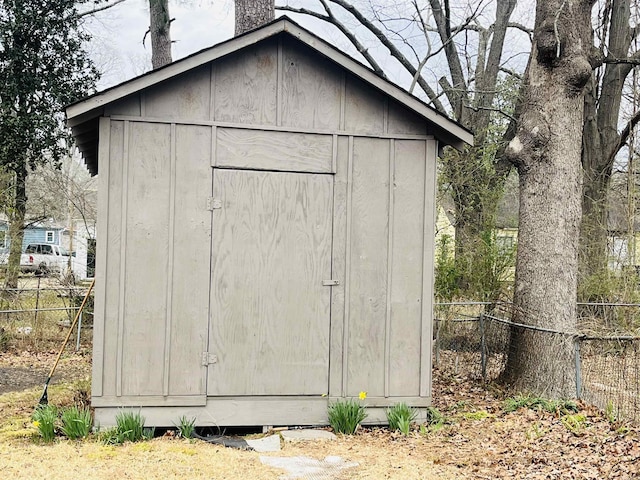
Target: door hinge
(330, 283)
(209, 359)
(214, 203)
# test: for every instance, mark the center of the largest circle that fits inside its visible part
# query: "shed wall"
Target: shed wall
(271, 107)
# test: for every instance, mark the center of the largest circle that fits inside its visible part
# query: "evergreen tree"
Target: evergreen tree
(43, 66)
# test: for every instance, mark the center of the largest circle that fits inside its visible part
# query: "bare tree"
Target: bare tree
(251, 14)
(602, 140)
(546, 151)
(418, 35)
(160, 32)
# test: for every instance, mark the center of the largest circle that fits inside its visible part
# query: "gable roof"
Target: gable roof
(82, 116)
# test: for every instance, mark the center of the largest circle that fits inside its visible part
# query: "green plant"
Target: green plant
(76, 422)
(434, 417)
(538, 403)
(111, 436)
(148, 433)
(130, 426)
(400, 417)
(185, 427)
(575, 423)
(345, 416)
(44, 419)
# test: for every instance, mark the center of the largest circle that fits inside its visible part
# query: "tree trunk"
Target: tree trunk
(16, 227)
(546, 150)
(252, 14)
(160, 30)
(601, 142)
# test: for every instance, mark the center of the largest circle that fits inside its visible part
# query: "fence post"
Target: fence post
(578, 368)
(437, 340)
(79, 328)
(483, 356)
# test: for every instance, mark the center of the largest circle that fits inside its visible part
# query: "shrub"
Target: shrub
(76, 422)
(400, 417)
(345, 416)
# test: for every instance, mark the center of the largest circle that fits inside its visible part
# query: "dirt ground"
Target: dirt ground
(480, 440)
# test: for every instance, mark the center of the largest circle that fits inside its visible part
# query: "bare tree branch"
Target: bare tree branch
(99, 9)
(624, 136)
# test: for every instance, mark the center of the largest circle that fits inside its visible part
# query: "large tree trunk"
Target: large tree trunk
(251, 14)
(546, 151)
(16, 227)
(160, 30)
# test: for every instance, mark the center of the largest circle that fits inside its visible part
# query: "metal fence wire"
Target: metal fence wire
(474, 340)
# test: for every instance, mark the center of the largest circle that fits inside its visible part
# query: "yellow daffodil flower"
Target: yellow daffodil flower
(362, 395)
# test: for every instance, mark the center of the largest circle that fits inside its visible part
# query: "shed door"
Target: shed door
(271, 251)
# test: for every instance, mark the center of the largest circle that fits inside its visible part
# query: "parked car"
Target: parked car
(42, 258)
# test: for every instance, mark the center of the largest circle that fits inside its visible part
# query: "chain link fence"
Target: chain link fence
(475, 340)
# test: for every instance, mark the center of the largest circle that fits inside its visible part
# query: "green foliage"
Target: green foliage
(446, 273)
(76, 422)
(345, 416)
(44, 66)
(44, 419)
(129, 426)
(475, 416)
(186, 426)
(400, 417)
(538, 403)
(575, 423)
(610, 412)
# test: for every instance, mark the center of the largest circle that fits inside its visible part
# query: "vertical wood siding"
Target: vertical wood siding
(330, 195)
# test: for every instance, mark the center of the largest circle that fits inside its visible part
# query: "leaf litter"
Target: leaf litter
(478, 440)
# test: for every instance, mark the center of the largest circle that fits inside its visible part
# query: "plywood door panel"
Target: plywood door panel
(147, 225)
(368, 267)
(190, 268)
(406, 272)
(271, 251)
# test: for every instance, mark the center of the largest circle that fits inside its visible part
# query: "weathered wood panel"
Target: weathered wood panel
(311, 89)
(147, 219)
(246, 85)
(364, 108)
(406, 271)
(190, 281)
(338, 266)
(127, 106)
(270, 150)
(185, 96)
(404, 121)
(111, 241)
(101, 261)
(271, 251)
(427, 266)
(368, 266)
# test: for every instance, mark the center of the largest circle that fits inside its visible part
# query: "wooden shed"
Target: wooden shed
(266, 229)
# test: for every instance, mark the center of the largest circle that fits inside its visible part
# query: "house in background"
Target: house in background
(41, 232)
